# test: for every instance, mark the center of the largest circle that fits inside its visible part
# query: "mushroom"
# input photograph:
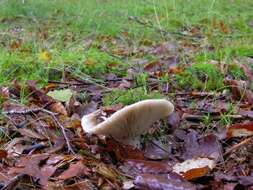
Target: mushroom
(127, 124)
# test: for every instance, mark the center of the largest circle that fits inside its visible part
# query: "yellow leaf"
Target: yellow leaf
(45, 56)
(90, 62)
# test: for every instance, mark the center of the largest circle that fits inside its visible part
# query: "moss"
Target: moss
(201, 76)
(99, 62)
(128, 96)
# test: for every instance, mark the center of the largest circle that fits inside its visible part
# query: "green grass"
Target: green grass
(131, 96)
(65, 27)
(201, 76)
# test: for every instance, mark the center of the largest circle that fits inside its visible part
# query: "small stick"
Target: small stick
(235, 147)
(13, 182)
(62, 128)
(52, 114)
(67, 83)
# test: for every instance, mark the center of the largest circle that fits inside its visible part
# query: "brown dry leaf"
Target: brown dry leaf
(224, 27)
(194, 168)
(156, 150)
(47, 171)
(31, 133)
(122, 151)
(58, 108)
(153, 67)
(240, 91)
(240, 130)
(247, 71)
(246, 113)
(59, 144)
(3, 153)
(16, 147)
(54, 159)
(163, 66)
(112, 109)
(86, 184)
(137, 167)
(197, 146)
(15, 45)
(107, 172)
(166, 48)
(39, 94)
(4, 93)
(30, 165)
(41, 97)
(70, 123)
(162, 182)
(75, 170)
(174, 119)
(4, 177)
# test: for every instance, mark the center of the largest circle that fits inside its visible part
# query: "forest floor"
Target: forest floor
(60, 60)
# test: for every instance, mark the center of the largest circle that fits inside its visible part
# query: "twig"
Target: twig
(235, 147)
(52, 114)
(62, 128)
(67, 83)
(13, 182)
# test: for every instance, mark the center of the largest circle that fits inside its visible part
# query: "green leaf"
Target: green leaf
(61, 95)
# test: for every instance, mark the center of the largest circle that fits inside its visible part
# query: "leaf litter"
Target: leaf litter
(44, 147)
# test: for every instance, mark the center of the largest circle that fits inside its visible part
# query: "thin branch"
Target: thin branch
(237, 146)
(13, 182)
(52, 114)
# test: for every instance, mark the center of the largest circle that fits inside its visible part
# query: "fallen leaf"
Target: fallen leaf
(137, 167)
(194, 168)
(123, 152)
(107, 172)
(162, 182)
(206, 146)
(58, 108)
(240, 130)
(30, 165)
(61, 95)
(240, 91)
(3, 153)
(156, 150)
(224, 27)
(247, 71)
(75, 170)
(85, 184)
(30, 133)
(45, 56)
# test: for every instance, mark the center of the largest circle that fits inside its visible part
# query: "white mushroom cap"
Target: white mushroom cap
(127, 124)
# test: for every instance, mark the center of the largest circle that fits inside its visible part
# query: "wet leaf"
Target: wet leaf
(136, 167)
(206, 147)
(157, 150)
(161, 182)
